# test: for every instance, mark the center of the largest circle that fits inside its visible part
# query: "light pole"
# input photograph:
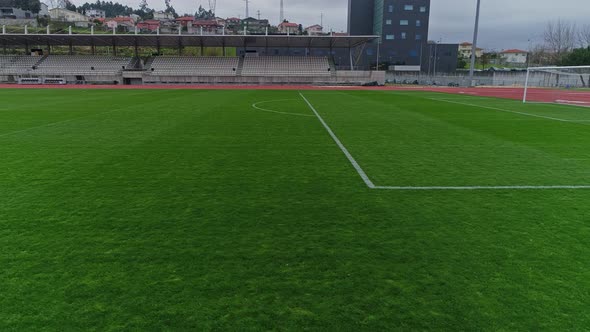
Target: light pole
(474, 46)
(436, 56)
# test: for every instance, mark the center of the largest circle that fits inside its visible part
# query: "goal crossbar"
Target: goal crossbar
(557, 70)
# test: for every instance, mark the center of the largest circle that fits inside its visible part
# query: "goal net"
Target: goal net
(563, 85)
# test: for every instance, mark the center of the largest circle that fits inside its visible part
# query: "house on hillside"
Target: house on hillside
(15, 13)
(514, 57)
(64, 15)
(315, 30)
(148, 25)
(120, 23)
(254, 26)
(185, 21)
(289, 28)
(465, 50)
(43, 10)
(163, 16)
(208, 26)
(96, 13)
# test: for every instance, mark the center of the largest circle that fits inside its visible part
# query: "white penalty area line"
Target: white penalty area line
(371, 185)
(508, 111)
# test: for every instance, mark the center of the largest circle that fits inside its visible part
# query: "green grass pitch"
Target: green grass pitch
(189, 209)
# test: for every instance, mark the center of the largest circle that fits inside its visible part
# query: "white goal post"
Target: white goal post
(556, 78)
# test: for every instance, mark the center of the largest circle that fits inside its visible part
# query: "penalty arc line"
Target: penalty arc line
(371, 185)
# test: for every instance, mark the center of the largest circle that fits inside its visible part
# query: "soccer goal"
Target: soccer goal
(563, 85)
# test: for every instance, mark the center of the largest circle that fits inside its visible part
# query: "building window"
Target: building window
(409, 7)
(404, 35)
(418, 23)
(418, 37)
(388, 22)
(390, 8)
(389, 37)
(423, 9)
(403, 22)
(413, 53)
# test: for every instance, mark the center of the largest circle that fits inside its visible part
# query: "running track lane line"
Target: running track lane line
(371, 185)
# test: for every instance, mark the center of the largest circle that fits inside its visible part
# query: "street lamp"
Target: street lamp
(474, 46)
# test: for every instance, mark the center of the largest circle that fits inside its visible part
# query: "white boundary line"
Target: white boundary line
(467, 188)
(371, 185)
(508, 111)
(356, 165)
(255, 105)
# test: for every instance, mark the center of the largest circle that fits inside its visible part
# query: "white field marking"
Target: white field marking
(371, 185)
(350, 158)
(572, 101)
(58, 123)
(255, 105)
(467, 188)
(505, 110)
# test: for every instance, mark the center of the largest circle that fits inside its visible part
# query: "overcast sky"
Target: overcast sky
(504, 23)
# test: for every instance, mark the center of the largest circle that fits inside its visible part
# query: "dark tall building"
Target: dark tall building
(402, 25)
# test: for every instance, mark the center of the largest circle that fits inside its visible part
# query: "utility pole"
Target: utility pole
(474, 46)
(322, 20)
(258, 14)
(282, 14)
(247, 9)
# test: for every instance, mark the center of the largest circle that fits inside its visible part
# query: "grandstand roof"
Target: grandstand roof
(153, 40)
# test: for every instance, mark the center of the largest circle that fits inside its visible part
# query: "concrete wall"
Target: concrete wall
(491, 79)
(440, 79)
(19, 22)
(341, 78)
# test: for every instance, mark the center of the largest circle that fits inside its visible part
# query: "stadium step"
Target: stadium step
(240, 66)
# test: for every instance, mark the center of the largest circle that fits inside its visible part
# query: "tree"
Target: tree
(112, 9)
(538, 55)
(485, 60)
(70, 6)
(461, 63)
(143, 6)
(203, 14)
(560, 38)
(584, 36)
(170, 9)
(578, 57)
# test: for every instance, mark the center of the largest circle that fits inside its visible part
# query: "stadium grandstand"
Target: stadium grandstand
(256, 59)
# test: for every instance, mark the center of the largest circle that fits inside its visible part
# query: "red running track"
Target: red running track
(580, 98)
